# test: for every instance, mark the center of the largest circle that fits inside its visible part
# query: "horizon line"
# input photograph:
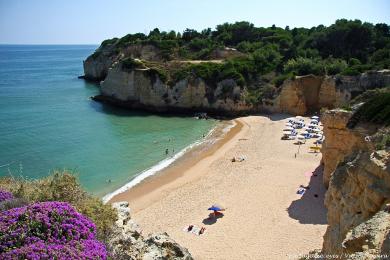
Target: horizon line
(49, 43)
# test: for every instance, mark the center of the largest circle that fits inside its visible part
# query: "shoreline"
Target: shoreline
(260, 194)
(192, 154)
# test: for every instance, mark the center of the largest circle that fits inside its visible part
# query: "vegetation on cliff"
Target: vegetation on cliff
(249, 54)
(347, 46)
(375, 109)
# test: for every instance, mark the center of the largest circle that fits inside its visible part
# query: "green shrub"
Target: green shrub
(384, 142)
(335, 66)
(376, 110)
(278, 81)
(351, 71)
(109, 42)
(304, 66)
(131, 64)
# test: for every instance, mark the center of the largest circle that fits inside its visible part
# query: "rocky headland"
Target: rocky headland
(138, 78)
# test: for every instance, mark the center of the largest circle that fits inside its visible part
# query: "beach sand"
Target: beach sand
(264, 219)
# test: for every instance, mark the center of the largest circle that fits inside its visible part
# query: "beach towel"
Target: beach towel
(301, 191)
(195, 230)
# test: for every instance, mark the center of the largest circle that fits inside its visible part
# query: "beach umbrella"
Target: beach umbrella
(316, 130)
(312, 125)
(314, 117)
(305, 132)
(216, 207)
(314, 122)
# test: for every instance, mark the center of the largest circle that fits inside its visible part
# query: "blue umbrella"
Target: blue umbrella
(215, 208)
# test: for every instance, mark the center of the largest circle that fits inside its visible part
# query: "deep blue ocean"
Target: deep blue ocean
(48, 122)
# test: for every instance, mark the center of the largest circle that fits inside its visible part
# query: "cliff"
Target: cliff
(145, 87)
(96, 66)
(358, 219)
(356, 162)
(340, 141)
(128, 242)
(306, 94)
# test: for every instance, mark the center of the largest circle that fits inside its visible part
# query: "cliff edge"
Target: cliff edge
(138, 77)
(356, 158)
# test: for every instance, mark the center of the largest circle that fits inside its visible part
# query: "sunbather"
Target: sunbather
(201, 231)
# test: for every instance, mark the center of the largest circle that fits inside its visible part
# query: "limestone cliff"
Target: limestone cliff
(128, 242)
(358, 174)
(96, 66)
(340, 141)
(306, 94)
(142, 88)
(359, 222)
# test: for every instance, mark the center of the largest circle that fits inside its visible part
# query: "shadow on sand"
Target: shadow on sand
(310, 208)
(212, 219)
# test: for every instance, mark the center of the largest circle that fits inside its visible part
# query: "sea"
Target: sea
(48, 122)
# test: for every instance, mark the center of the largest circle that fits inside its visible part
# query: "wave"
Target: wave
(162, 165)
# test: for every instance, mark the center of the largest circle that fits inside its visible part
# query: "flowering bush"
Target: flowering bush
(60, 186)
(48, 230)
(5, 195)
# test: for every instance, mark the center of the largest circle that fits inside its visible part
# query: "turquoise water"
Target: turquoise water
(47, 121)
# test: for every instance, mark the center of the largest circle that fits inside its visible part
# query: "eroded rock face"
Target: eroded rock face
(96, 66)
(304, 94)
(358, 219)
(300, 95)
(127, 241)
(339, 140)
(139, 89)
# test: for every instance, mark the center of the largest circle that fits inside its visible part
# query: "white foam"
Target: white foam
(158, 167)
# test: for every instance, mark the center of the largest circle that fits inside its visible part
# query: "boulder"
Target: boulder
(128, 242)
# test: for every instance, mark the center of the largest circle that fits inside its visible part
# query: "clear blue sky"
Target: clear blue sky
(91, 21)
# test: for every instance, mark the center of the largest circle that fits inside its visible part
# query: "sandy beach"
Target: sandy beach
(265, 217)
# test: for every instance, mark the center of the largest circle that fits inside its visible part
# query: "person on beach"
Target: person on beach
(201, 231)
(166, 151)
(190, 228)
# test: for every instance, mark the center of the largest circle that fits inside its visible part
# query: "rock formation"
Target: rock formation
(128, 242)
(359, 190)
(340, 141)
(139, 89)
(358, 174)
(306, 94)
(144, 89)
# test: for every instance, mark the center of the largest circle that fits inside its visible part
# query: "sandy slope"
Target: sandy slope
(265, 218)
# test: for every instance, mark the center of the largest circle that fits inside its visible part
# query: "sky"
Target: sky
(92, 21)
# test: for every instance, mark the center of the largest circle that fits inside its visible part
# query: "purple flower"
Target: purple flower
(48, 230)
(5, 195)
